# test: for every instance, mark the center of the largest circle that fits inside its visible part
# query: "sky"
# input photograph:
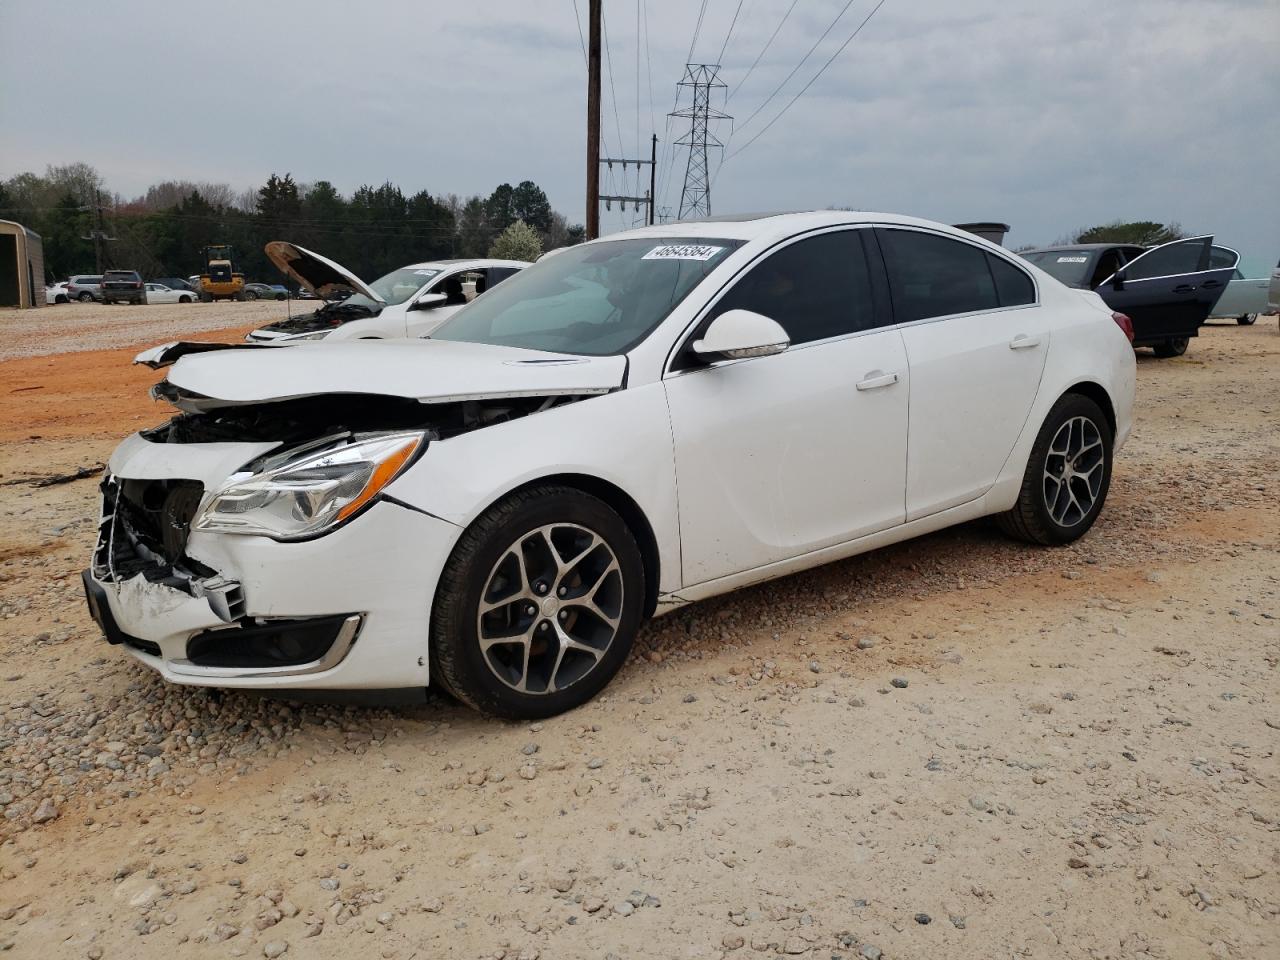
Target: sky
(1047, 116)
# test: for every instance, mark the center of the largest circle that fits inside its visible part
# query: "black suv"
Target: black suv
(123, 286)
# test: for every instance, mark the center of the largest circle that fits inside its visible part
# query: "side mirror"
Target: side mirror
(429, 300)
(738, 334)
(1117, 280)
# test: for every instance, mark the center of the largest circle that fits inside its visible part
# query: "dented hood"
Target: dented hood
(430, 371)
(318, 274)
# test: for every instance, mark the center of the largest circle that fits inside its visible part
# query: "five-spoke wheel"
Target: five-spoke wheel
(551, 608)
(538, 605)
(1067, 475)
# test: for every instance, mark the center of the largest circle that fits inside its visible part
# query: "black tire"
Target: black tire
(1173, 347)
(1247, 319)
(457, 661)
(206, 298)
(250, 295)
(184, 299)
(1032, 518)
(85, 297)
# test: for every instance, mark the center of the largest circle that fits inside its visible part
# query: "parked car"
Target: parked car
(495, 508)
(123, 286)
(409, 302)
(85, 287)
(1243, 299)
(265, 291)
(174, 283)
(1167, 291)
(57, 293)
(1273, 297)
(159, 293)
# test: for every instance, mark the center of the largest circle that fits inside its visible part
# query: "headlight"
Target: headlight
(306, 496)
(318, 335)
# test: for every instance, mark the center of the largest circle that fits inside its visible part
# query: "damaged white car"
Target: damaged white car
(409, 302)
(636, 423)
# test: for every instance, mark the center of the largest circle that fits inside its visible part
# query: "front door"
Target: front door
(1168, 291)
(976, 340)
(779, 456)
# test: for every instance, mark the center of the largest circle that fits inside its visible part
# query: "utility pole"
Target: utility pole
(695, 198)
(97, 234)
(647, 199)
(593, 119)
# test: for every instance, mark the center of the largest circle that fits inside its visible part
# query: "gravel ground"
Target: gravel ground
(72, 327)
(957, 747)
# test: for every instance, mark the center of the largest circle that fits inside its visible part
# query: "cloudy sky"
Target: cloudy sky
(1050, 116)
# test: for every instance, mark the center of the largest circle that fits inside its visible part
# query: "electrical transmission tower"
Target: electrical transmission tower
(702, 78)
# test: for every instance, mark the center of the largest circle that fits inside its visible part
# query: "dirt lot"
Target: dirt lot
(959, 747)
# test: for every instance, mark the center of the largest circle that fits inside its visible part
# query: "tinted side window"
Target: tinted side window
(1168, 260)
(1222, 257)
(1013, 286)
(933, 276)
(815, 288)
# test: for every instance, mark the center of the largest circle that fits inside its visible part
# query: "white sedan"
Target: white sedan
(408, 302)
(159, 293)
(634, 424)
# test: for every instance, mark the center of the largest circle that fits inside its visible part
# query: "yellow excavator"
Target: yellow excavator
(219, 280)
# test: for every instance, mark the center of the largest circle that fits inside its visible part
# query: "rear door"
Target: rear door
(1169, 291)
(976, 339)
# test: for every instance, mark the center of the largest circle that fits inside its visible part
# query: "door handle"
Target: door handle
(1186, 288)
(1023, 342)
(877, 380)
(1210, 284)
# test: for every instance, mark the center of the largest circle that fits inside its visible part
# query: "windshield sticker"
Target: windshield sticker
(425, 273)
(682, 251)
(1073, 259)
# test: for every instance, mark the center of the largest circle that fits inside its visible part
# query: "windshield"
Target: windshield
(597, 299)
(1069, 266)
(395, 287)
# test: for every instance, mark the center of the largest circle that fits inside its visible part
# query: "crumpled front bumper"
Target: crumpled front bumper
(373, 579)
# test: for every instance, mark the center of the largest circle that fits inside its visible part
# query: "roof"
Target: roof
(754, 226)
(474, 263)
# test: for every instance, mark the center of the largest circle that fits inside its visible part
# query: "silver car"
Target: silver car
(1244, 298)
(1273, 298)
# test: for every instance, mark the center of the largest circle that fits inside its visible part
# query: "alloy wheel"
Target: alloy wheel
(1073, 471)
(550, 608)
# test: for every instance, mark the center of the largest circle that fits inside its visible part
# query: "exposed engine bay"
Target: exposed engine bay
(327, 317)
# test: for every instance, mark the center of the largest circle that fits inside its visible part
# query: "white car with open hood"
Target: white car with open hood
(409, 302)
(633, 424)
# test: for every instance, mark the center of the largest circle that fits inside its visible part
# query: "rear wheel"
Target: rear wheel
(1173, 347)
(250, 295)
(538, 605)
(85, 297)
(1247, 319)
(1067, 475)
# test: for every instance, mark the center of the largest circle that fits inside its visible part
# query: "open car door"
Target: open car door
(1169, 291)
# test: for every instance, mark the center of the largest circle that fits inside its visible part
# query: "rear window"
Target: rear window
(120, 275)
(1066, 266)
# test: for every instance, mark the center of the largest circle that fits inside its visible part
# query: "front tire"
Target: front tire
(85, 297)
(250, 295)
(538, 606)
(1174, 347)
(1247, 319)
(1067, 476)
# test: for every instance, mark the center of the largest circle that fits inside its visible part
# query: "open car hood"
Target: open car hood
(429, 371)
(318, 274)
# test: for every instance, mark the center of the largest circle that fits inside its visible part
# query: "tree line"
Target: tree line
(163, 232)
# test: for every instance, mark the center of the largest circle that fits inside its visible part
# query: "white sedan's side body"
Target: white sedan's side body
(159, 293)
(728, 472)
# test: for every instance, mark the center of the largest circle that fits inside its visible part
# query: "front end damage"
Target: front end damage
(346, 608)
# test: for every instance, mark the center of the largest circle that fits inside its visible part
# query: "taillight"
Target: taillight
(1124, 323)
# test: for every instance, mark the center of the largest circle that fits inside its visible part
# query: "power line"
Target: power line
(840, 50)
(732, 23)
(797, 67)
(764, 50)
